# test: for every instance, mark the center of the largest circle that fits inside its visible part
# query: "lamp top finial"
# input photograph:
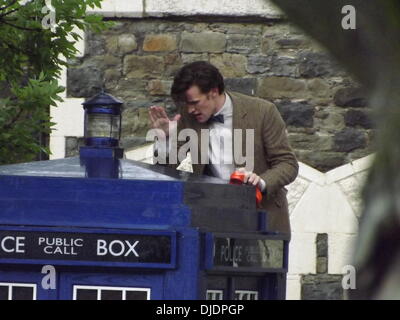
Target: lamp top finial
(103, 99)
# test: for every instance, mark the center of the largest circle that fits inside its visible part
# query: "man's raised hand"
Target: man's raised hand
(159, 119)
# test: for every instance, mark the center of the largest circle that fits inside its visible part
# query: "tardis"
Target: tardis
(100, 227)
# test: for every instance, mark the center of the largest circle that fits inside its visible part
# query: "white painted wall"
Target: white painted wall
(164, 8)
(68, 115)
(120, 8)
(202, 7)
(324, 203)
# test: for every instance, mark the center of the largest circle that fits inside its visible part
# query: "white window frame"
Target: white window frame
(10, 286)
(215, 293)
(100, 288)
(247, 294)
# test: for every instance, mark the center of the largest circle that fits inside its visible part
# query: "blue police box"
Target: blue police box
(98, 227)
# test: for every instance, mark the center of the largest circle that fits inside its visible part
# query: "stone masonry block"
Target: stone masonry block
(212, 42)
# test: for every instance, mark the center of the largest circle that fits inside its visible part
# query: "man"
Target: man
(199, 92)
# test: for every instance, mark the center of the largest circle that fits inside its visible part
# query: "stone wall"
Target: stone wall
(322, 285)
(328, 121)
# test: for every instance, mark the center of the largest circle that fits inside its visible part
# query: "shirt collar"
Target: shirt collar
(226, 109)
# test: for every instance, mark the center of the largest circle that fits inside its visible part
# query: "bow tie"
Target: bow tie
(218, 118)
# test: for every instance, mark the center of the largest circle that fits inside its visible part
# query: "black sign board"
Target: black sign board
(142, 249)
(251, 253)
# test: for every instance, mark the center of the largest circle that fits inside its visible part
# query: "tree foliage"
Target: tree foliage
(37, 38)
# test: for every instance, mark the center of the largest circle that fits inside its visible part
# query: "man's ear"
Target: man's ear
(214, 92)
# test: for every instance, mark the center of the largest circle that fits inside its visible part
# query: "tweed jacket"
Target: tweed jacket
(274, 160)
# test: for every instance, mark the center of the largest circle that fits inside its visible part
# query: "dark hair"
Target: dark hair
(200, 73)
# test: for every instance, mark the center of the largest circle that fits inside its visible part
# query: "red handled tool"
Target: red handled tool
(237, 177)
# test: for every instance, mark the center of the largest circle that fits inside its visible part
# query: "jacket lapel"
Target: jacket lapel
(239, 122)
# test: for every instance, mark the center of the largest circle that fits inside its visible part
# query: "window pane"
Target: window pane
(111, 295)
(246, 295)
(136, 295)
(3, 293)
(22, 293)
(85, 294)
(215, 294)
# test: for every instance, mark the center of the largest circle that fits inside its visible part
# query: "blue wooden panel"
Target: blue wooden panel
(184, 283)
(90, 190)
(91, 202)
(89, 214)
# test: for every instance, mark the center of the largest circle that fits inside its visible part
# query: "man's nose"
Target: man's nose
(190, 109)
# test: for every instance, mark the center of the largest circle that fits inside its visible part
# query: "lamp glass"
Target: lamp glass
(103, 125)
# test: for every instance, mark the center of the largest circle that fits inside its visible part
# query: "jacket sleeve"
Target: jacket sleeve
(282, 162)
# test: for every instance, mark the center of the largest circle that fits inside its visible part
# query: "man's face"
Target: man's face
(201, 105)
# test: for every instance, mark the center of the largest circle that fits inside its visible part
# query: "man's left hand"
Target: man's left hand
(252, 179)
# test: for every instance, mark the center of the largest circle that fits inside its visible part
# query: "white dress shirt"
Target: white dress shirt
(220, 153)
